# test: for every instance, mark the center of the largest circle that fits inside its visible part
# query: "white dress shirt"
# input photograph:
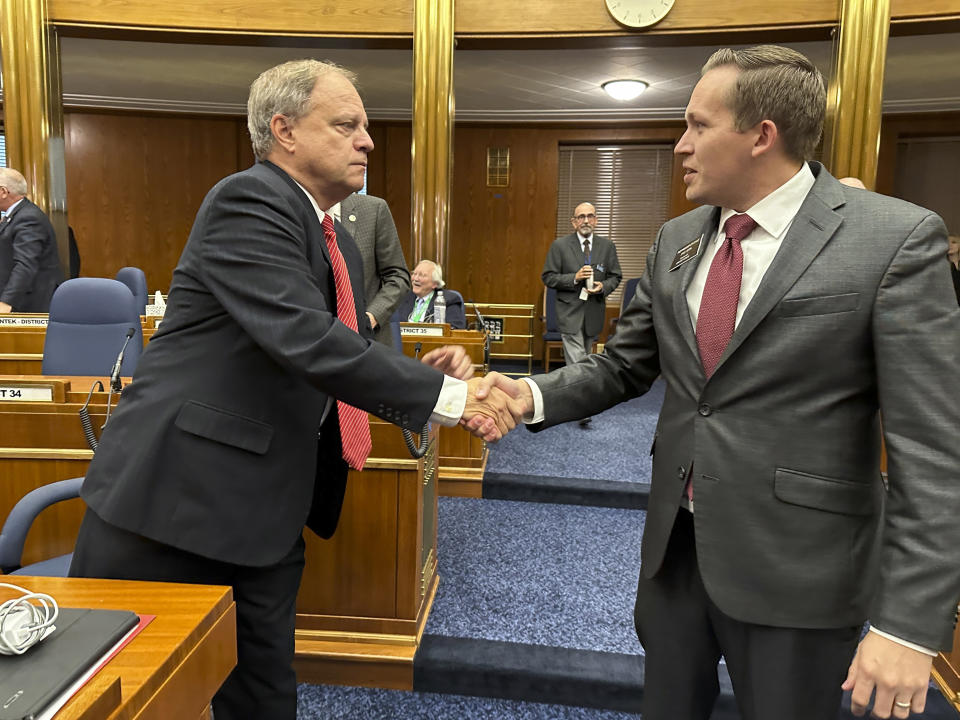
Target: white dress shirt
(453, 393)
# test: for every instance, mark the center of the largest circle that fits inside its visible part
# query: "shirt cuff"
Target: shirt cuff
(906, 643)
(450, 403)
(537, 415)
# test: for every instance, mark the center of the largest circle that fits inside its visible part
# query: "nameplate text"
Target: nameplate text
(26, 393)
(23, 321)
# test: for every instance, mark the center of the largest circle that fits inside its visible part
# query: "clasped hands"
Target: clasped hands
(585, 273)
(495, 403)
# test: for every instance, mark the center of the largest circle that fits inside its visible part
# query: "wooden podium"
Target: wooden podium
(367, 591)
(946, 672)
(463, 457)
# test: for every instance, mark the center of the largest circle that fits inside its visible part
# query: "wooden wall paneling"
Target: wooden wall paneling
(394, 154)
(135, 183)
(245, 156)
(339, 19)
(909, 125)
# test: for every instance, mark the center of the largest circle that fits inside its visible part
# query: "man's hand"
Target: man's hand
(518, 390)
(491, 416)
(373, 321)
(451, 360)
(5, 307)
(597, 288)
(583, 273)
(899, 674)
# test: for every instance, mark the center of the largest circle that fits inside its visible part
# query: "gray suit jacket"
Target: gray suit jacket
(564, 258)
(29, 262)
(854, 317)
(385, 276)
(214, 447)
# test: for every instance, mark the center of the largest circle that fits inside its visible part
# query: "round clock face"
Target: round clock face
(639, 13)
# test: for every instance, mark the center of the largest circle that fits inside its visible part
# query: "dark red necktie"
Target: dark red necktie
(721, 293)
(354, 423)
(718, 306)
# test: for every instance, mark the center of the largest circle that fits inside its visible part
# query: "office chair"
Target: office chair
(134, 279)
(552, 340)
(87, 327)
(13, 535)
(629, 290)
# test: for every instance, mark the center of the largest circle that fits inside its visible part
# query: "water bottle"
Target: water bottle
(439, 308)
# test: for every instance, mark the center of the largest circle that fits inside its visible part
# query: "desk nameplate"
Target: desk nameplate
(422, 330)
(26, 393)
(14, 321)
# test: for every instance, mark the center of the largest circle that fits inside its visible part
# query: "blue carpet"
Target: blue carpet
(599, 451)
(556, 575)
(329, 702)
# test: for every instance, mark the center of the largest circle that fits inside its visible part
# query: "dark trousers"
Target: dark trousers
(781, 673)
(263, 684)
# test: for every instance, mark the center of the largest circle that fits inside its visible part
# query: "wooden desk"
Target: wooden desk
(463, 457)
(172, 668)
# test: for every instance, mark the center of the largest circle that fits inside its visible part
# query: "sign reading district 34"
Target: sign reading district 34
(26, 393)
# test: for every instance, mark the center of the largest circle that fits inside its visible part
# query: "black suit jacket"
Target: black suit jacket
(455, 315)
(29, 263)
(214, 448)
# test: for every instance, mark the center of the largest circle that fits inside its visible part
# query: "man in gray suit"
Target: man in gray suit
(251, 401)
(769, 536)
(29, 262)
(583, 268)
(385, 277)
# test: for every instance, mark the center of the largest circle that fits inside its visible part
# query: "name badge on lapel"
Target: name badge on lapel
(686, 253)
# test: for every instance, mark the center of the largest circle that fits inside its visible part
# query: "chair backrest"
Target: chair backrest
(88, 324)
(452, 296)
(13, 535)
(629, 290)
(550, 323)
(134, 279)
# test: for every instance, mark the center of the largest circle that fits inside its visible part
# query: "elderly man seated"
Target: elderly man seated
(418, 305)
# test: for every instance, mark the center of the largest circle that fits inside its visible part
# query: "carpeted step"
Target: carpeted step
(566, 491)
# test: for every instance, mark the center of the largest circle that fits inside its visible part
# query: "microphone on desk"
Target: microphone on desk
(115, 385)
(481, 325)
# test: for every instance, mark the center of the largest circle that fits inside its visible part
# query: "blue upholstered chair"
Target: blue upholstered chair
(134, 279)
(552, 340)
(629, 290)
(88, 323)
(13, 535)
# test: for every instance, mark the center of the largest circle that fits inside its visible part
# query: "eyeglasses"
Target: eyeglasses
(581, 218)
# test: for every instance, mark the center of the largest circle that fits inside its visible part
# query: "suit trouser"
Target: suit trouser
(777, 673)
(576, 346)
(263, 684)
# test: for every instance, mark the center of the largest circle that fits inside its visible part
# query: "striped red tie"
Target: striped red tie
(354, 423)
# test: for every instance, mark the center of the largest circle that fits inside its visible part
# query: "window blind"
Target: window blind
(630, 187)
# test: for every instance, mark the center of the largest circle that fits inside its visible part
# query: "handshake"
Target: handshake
(495, 403)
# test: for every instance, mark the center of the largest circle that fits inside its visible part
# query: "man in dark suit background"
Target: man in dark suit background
(385, 277)
(419, 304)
(769, 536)
(584, 269)
(243, 415)
(29, 264)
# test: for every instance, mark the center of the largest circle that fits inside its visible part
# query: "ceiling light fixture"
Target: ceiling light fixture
(624, 89)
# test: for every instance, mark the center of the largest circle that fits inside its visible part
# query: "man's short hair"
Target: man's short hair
(285, 90)
(13, 181)
(437, 274)
(779, 84)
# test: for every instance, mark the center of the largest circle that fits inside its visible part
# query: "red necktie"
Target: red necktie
(718, 306)
(721, 293)
(354, 423)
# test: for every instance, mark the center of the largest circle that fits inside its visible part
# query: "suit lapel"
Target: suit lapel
(8, 219)
(680, 308)
(812, 228)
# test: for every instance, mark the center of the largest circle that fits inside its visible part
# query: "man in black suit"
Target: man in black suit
(29, 263)
(250, 401)
(584, 269)
(419, 304)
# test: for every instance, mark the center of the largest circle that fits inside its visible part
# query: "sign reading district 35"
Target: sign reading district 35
(26, 393)
(428, 330)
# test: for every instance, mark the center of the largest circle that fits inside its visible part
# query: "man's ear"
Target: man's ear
(282, 128)
(766, 137)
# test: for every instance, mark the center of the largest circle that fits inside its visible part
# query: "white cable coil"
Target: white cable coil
(23, 624)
